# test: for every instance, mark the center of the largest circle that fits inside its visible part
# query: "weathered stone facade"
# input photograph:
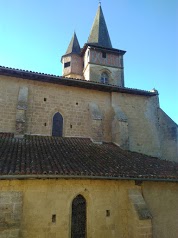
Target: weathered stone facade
(89, 101)
(10, 213)
(143, 132)
(44, 198)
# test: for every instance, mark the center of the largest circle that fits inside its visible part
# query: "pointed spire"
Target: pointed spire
(74, 46)
(99, 33)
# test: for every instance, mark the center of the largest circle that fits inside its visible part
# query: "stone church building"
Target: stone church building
(83, 156)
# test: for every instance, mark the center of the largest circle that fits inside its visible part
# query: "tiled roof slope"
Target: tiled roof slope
(77, 157)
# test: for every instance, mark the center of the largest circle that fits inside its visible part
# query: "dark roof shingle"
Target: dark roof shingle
(37, 155)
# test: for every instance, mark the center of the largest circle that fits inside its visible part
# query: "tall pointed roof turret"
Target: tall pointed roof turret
(74, 46)
(99, 33)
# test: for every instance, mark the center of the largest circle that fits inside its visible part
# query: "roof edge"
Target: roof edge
(95, 46)
(22, 177)
(49, 78)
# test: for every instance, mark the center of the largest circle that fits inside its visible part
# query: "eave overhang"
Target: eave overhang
(48, 78)
(97, 47)
(79, 177)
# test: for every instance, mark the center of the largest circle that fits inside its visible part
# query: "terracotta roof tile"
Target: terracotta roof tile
(37, 155)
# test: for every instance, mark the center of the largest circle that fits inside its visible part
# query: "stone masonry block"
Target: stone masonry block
(10, 213)
(139, 204)
(22, 98)
(14, 233)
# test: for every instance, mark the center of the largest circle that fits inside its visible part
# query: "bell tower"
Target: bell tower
(97, 61)
(102, 62)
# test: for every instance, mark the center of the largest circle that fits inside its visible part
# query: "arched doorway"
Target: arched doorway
(57, 128)
(78, 226)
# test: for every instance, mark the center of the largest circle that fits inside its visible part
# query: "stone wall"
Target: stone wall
(169, 136)
(161, 199)
(108, 207)
(45, 100)
(10, 213)
(140, 218)
(115, 74)
(142, 118)
(144, 127)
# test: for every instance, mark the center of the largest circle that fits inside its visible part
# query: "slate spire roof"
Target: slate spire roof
(74, 46)
(99, 33)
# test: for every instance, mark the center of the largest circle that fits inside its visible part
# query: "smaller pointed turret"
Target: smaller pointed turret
(99, 33)
(74, 47)
(72, 60)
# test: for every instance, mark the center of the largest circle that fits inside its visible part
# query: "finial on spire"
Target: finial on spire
(99, 2)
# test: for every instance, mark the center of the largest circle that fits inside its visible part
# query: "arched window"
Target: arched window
(57, 128)
(104, 78)
(78, 226)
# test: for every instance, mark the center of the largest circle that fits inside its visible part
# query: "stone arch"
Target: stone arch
(57, 125)
(105, 76)
(79, 217)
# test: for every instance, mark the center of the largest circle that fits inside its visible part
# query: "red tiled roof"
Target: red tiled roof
(37, 155)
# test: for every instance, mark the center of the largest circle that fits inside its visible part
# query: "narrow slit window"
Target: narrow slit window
(108, 213)
(54, 218)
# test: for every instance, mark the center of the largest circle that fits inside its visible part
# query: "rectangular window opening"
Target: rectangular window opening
(54, 218)
(108, 213)
(103, 54)
(67, 64)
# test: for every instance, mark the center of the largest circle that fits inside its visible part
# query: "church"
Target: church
(83, 156)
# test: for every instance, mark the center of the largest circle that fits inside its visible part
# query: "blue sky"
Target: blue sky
(35, 34)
